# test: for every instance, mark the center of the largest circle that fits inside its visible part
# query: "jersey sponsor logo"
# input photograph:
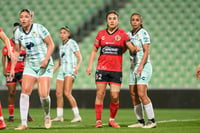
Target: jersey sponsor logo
(117, 37)
(62, 55)
(103, 38)
(111, 50)
(29, 45)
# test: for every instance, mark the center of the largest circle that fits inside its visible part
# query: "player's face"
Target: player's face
(136, 21)
(64, 35)
(25, 19)
(112, 21)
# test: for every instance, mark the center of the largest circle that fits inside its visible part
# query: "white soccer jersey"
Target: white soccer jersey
(139, 39)
(33, 43)
(67, 56)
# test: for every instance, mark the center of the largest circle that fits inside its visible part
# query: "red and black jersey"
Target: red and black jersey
(20, 63)
(112, 48)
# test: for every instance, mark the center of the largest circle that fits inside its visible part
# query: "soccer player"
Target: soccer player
(6, 41)
(140, 73)
(37, 42)
(69, 63)
(198, 72)
(18, 72)
(113, 42)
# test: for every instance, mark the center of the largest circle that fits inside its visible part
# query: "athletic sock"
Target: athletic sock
(138, 109)
(59, 112)
(149, 111)
(113, 110)
(46, 104)
(11, 109)
(75, 111)
(24, 106)
(98, 111)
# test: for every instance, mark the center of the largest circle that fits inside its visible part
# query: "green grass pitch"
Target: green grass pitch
(168, 121)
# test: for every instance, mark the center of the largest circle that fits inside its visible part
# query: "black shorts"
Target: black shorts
(110, 77)
(18, 77)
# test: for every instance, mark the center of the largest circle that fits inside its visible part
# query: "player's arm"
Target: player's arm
(91, 60)
(50, 47)
(198, 72)
(6, 41)
(144, 58)
(14, 59)
(131, 47)
(57, 66)
(3, 60)
(79, 57)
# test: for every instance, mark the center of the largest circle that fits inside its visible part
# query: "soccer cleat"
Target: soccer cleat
(76, 119)
(21, 127)
(2, 124)
(112, 123)
(47, 121)
(58, 119)
(98, 124)
(136, 125)
(149, 124)
(10, 118)
(29, 118)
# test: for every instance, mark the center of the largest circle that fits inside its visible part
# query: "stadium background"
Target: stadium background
(173, 27)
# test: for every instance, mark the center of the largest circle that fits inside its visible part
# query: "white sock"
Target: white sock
(59, 112)
(1, 118)
(46, 104)
(149, 111)
(75, 111)
(24, 105)
(139, 112)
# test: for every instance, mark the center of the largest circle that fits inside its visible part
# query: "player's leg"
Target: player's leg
(142, 92)
(138, 107)
(68, 84)
(114, 104)
(60, 102)
(28, 83)
(18, 77)
(2, 122)
(11, 100)
(43, 90)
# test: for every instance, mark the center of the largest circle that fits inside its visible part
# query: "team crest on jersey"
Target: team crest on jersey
(34, 34)
(103, 38)
(117, 37)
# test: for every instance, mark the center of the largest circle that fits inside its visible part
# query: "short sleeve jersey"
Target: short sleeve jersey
(20, 63)
(33, 43)
(112, 48)
(67, 55)
(140, 38)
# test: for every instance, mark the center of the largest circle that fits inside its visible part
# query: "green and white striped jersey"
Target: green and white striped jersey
(67, 55)
(139, 39)
(33, 43)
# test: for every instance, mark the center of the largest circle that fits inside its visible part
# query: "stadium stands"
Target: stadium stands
(173, 27)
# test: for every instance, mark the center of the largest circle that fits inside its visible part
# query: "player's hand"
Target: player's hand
(12, 75)
(44, 63)
(89, 69)
(76, 70)
(198, 72)
(139, 70)
(137, 48)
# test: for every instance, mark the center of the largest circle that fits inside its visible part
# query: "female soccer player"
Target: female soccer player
(113, 42)
(18, 76)
(69, 63)
(140, 73)
(37, 42)
(6, 41)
